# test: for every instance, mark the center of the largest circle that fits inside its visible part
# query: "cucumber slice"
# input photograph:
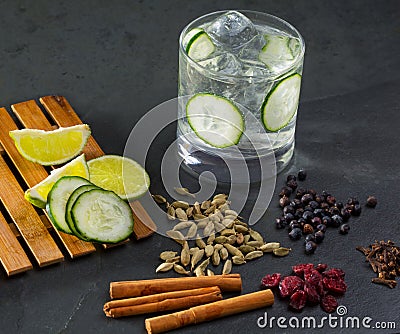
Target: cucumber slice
(102, 216)
(71, 200)
(58, 197)
(189, 36)
(277, 48)
(281, 103)
(215, 119)
(200, 46)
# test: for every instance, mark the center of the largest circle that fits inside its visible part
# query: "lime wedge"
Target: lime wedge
(37, 195)
(121, 175)
(51, 147)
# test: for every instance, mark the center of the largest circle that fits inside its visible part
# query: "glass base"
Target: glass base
(234, 169)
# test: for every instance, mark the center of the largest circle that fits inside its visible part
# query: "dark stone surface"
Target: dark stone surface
(116, 60)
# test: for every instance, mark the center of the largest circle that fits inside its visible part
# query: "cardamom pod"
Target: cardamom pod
(196, 257)
(180, 204)
(176, 235)
(184, 192)
(193, 250)
(232, 239)
(204, 264)
(211, 209)
(196, 208)
(281, 251)
(171, 213)
(239, 222)
(209, 229)
(238, 260)
(238, 228)
(209, 250)
(223, 253)
(199, 272)
(255, 235)
(246, 238)
(218, 247)
(200, 242)
(221, 239)
(218, 226)
(233, 250)
(269, 247)
(205, 205)
(255, 243)
(189, 211)
(246, 249)
(163, 267)
(159, 199)
(174, 259)
(228, 223)
(214, 218)
(224, 207)
(218, 196)
(219, 214)
(227, 267)
(182, 225)
(231, 213)
(210, 272)
(218, 201)
(185, 254)
(253, 255)
(216, 259)
(180, 270)
(227, 232)
(181, 214)
(192, 231)
(239, 238)
(210, 239)
(167, 255)
(202, 223)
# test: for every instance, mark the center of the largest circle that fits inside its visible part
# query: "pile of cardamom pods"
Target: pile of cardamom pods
(219, 235)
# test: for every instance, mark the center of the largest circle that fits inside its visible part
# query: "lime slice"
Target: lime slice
(281, 103)
(215, 119)
(51, 147)
(121, 175)
(37, 195)
(200, 46)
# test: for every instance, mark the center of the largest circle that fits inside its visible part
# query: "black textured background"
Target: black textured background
(116, 60)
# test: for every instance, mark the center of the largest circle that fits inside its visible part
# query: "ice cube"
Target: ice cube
(231, 30)
(225, 63)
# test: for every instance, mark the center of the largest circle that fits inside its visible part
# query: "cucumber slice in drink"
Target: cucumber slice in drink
(281, 103)
(277, 48)
(200, 46)
(58, 197)
(189, 36)
(71, 200)
(101, 215)
(215, 119)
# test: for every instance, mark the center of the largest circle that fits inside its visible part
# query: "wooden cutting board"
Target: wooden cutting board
(24, 229)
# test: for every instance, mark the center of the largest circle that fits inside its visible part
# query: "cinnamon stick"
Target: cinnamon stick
(212, 311)
(168, 301)
(126, 289)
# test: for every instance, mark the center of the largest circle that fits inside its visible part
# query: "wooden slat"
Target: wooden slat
(31, 116)
(62, 113)
(28, 222)
(143, 226)
(12, 255)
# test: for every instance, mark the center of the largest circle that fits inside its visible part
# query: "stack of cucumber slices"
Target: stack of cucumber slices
(77, 206)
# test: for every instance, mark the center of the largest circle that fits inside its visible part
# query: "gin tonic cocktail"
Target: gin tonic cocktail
(239, 87)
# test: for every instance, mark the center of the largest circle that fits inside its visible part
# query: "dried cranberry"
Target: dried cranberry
(334, 272)
(271, 281)
(312, 276)
(300, 268)
(321, 267)
(329, 303)
(336, 285)
(298, 300)
(313, 296)
(289, 285)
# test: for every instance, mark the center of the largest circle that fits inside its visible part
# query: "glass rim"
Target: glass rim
(217, 74)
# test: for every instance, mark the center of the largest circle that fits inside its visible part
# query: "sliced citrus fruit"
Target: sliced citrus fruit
(37, 195)
(51, 147)
(121, 175)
